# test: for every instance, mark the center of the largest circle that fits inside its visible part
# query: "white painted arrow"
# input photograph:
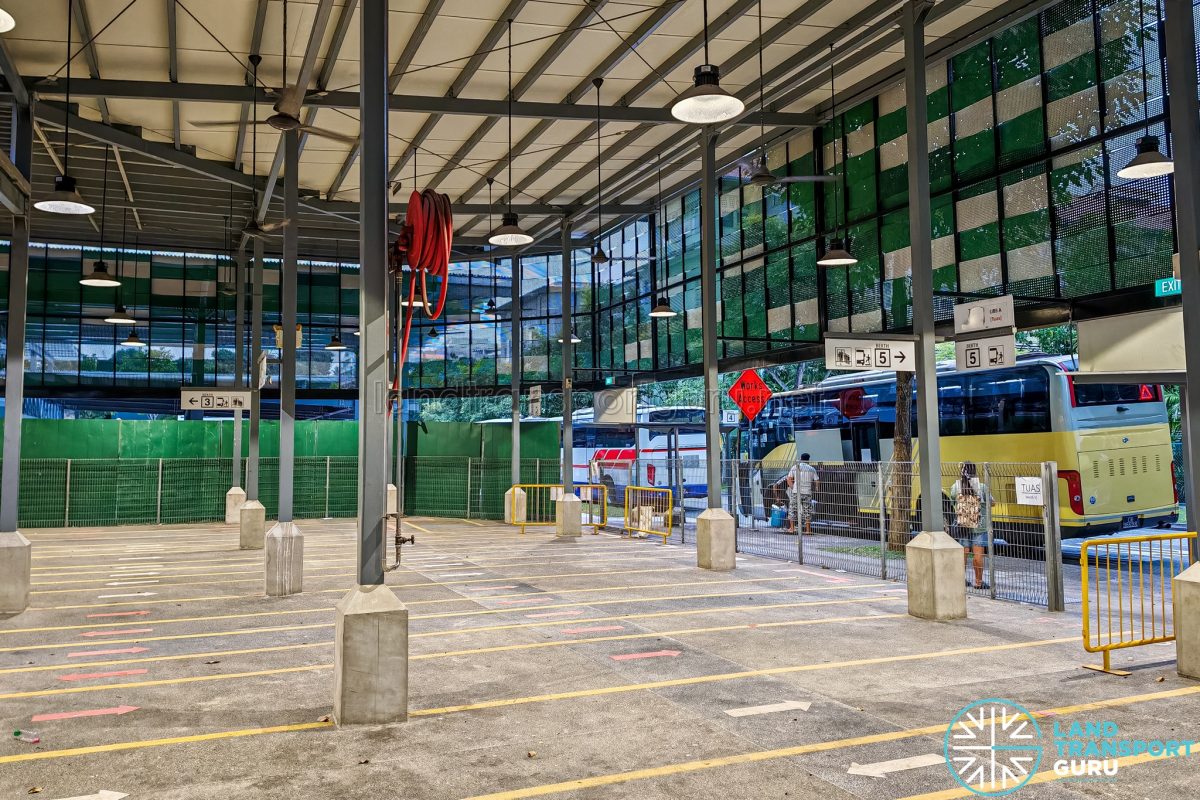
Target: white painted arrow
(786, 705)
(883, 768)
(103, 794)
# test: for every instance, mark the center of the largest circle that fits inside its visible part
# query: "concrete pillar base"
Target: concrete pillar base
(393, 499)
(235, 498)
(716, 540)
(1185, 594)
(252, 519)
(284, 561)
(936, 587)
(568, 516)
(514, 506)
(370, 660)
(16, 558)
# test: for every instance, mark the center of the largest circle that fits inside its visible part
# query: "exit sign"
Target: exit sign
(1167, 287)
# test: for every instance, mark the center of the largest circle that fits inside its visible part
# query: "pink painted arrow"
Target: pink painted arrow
(655, 654)
(552, 614)
(119, 614)
(117, 633)
(597, 629)
(94, 712)
(524, 600)
(118, 652)
(84, 676)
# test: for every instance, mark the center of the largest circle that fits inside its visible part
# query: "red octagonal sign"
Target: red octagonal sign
(750, 393)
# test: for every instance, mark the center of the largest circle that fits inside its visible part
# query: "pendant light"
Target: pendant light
(119, 315)
(662, 304)
(510, 233)
(1149, 161)
(100, 276)
(706, 103)
(838, 252)
(7, 23)
(433, 333)
(599, 257)
(65, 198)
(335, 344)
(132, 340)
(574, 338)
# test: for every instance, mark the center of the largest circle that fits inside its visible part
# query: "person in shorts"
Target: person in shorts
(972, 502)
(802, 480)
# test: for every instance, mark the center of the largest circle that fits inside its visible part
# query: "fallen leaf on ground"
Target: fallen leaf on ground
(324, 718)
(531, 754)
(34, 790)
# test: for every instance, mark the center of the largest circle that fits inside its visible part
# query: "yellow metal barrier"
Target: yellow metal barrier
(644, 507)
(536, 506)
(1126, 591)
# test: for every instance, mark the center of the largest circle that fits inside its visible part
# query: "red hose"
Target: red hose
(430, 231)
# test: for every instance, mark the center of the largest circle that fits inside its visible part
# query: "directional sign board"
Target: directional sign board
(750, 393)
(214, 399)
(984, 315)
(1029, 491)
(991, 352)
(535, 401)
(894, 354)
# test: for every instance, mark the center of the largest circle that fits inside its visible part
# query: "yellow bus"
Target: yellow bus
(1112, 443)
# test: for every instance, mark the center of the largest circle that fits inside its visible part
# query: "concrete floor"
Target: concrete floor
(602, 668)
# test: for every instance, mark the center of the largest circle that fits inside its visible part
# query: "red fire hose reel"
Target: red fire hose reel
(423, 250)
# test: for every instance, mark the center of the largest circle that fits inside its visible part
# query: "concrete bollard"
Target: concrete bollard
(284, 560)
(370, 660)
(1185, 595)
(514, 506)
(716, 540)
(252, 521)
(936, 588)
(393, 499)
(235, 498)
(568, 516)
(16, 558)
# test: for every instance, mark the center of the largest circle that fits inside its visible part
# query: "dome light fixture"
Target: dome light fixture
(662, 308)
(7, 23)
(574, 338)
(132, 340)
(1149, 161)
(510, 233)
(838, 255)
(120, 316)
(100, 276)
(335, 344)
(706, 103)
(65, 198)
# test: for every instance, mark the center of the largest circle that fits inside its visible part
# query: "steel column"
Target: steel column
(239, 361)
(568, 354)
(929, 451)
(515, 344)
(256, 313)
(372, 296)
(287, 318)
(18, 296)
(1185, 141)
(708, 313)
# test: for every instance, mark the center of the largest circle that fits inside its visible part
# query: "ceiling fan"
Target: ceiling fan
(287, 108)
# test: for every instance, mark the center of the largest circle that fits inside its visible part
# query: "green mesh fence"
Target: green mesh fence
(134, 491)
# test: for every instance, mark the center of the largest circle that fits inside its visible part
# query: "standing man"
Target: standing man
(802, 481)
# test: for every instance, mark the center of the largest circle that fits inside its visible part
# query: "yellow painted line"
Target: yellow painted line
(816, 747)
(442, 615)
(200, 737)
(476, 524)
(418, 527)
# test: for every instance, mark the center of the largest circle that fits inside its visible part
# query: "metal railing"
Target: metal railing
(1127, 591)
(532, 504)
(648, 511)
(594, 505)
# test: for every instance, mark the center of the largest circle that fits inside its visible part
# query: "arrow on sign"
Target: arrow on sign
(900, 356)
(95, 712)
(883, 768)
(103, 794)
(655, 654)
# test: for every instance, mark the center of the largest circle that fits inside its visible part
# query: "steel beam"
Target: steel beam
(256, 318)
(89, 52)
(515, 345)
(239, 360)
(12, 76)
(1185, 138)
(173, 68)
(709, 213)
(239, 149)
(287, 318)
(920, 231)
(18, 296)
(568, 352)
(372, 298)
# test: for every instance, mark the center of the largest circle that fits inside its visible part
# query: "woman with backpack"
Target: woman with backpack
(972, 501)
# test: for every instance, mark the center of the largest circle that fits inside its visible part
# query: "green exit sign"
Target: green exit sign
(1166, 287)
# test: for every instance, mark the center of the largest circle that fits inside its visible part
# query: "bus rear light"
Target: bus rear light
(650, 473)
(1074, 489)
(1174, 483)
